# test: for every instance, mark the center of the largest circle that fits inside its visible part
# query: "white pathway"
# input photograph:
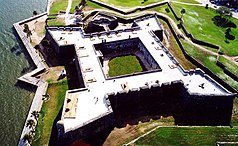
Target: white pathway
(68, 19)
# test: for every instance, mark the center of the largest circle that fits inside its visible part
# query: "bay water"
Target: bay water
(15, 99)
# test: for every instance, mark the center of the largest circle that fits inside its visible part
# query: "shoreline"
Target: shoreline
(29, 78)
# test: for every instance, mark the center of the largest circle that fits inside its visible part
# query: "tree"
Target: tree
(228, 30)
(76, 8)
(83, 2)
(35, 114)
(27, 31)
(224, 12)
(182, 12)
(26, 28)
(34, 13)
(28, 137)
(30, 123)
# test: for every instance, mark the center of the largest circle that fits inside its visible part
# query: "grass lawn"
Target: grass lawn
(56, 22)
(176, 51)
(198, 21)
(93, 5)
(229, 65)
(210, 62)
(124, 65)
(59, 5)
(120, 136)
(188, 1)
(129, 4)
(189, 136)
(49, 112)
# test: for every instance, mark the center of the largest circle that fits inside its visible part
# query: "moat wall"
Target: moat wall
(170, 99)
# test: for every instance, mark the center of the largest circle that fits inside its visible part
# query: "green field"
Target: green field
(176, 51)
(188, 1)
(130, 3)
(198, 22)
(93, 5)
(197, 136)
(56, 22)
(210, 62)
(61, 5)
(124, 65)
(229, 65)
(49, 113)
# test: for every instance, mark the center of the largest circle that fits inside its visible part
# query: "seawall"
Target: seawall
(30, 77)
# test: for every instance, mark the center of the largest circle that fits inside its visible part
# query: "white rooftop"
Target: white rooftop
(91, 102)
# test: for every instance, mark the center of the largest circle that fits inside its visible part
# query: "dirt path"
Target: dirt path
(67, 11)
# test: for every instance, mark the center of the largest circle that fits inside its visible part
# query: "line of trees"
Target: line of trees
(31, 124)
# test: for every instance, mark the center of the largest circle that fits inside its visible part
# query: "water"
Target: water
(14, 101)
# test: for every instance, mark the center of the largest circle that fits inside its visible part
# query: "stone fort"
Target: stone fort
(163, 88)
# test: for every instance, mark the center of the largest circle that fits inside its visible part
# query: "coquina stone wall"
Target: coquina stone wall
(171, 99)
(89, 128)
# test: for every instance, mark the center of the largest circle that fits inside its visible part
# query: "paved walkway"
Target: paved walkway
(67, 17)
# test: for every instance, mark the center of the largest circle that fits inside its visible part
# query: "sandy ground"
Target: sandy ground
(52, 73)
(37, 28)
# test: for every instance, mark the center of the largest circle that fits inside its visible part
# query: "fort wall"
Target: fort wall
(94, 126)
(171, 99)
(152, 101)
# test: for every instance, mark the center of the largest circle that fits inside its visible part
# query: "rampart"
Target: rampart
(170, 99)
(152, 102)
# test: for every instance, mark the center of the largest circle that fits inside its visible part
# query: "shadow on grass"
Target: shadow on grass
(54, 132)
(199, 113)
(223, 22)
(97, 139)
(230, 37)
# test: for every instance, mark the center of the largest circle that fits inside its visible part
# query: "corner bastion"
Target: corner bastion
(164, 90)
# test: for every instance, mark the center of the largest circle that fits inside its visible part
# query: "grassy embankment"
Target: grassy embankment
(189, 136)
(230, 65)
(131, 3)
(188, 1)
(50, 112)
(62, 5)
(124, 65)
(202, 19)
